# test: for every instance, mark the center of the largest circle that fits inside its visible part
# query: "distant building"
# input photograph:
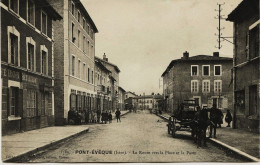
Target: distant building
(27, 65)
(203, 78)
(121, 98)
(146, 102)
(129, 94)
(74, 61)
(115, 78)
(246, 69)
(129, 100)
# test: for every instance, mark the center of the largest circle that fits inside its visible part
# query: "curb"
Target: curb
(17, 158)
(227, 147)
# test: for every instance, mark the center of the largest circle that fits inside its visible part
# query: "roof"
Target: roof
(49, 9)
(244, 10)
(121, 89)
(196, 58)
(81, 6)
(131, 93)
(100, 65)
(112, 78)
(149, 96)
(117, 69)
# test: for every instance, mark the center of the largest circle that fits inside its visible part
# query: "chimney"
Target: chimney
(104, 57)
(185, 55)
(215, 54)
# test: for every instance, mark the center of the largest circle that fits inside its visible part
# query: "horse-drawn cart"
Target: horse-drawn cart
(183, 118)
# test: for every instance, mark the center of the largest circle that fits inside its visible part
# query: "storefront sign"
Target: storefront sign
(29, 79)
(11, 74)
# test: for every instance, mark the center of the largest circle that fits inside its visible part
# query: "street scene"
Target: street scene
(131, 81)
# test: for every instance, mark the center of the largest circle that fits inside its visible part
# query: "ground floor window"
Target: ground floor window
(73, 101)
(45, 97)
(31, 103)
(253, 100)
(14, 100)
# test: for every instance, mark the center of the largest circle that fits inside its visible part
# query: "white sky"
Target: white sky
(142, 36)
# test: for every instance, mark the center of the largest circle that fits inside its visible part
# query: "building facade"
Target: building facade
(27, 65)
(129, 104)
(147, 102)
(114, 76)
(121, 98)
(203, 78)
(246, 69)
(74, 61)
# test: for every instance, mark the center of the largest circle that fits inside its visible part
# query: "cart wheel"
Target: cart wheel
(173, 129)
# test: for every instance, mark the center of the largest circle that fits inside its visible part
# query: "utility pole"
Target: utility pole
(219, 28)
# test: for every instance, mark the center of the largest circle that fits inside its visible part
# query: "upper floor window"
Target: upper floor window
(217, 70)
(73, 66)
(194, 70)
(83, 43)
(72, 33)
(13, 46)
(79, 71)
(88, 29)
(14, 49)
(31, 12)
(254, 42)
(14, 6)
(84, 71)
(31, 54)
(92, 77)
(194, 86)
(205, 70)
(84, 23)
(79, 16)
(206, 86)
(88, 75)
(78, 38)
(217, 86)
(44, 59)
(72, 8)
(44, 22)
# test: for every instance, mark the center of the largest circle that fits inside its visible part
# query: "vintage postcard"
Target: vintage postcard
(130, 81)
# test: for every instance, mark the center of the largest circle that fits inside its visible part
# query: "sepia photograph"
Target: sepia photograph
(130, 81)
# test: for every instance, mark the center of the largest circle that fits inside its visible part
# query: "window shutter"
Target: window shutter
(18, 109)
(8, 101)
(247, 45)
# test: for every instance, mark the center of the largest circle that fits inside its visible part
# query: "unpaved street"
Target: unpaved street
(140, 137)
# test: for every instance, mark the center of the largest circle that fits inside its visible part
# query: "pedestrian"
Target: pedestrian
(98, 116)
(106, 117)
(214, 119)
(228, 118)
(118, 115)
(110, 117)
(220, 117)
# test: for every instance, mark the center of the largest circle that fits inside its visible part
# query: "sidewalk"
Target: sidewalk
(239, 141)
(20, 144)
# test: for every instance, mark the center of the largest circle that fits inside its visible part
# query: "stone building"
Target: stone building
(246, 69)
(27, 65)
(147, 102)
(203, 78)
(121, 98)
(74, 61)
(114, 80)
(129, 104)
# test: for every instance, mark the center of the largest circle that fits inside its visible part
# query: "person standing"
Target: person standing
(110, 117)
(214, 119)
(228, 118)
(118, 115)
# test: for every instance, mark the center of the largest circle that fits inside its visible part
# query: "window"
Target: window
(88, 30)
(79, 73)
(88, 47)
(14, 6)
(72, 8)
(194, 86)
(72, 33)
(254, 42)
(217, 70)
(31, 58)
(83, 43)
(30, 12)
(84, 71)
(217, 86)
(73, 100)
(13, 97)
(92, 77)
(205, 70)
(44, 59)
(84, 24)
(73, 66)
(44, 22)
(44, 103)
(194, 70)
(253, 108)
(31, 103)
(78, 37)
(14, 49)
(206, 86)
(79, 15)
(88, 75)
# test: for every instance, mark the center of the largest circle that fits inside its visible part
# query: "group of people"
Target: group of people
(214, 120)
(77, 118)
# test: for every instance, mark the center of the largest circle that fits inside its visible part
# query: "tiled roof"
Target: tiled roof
(117, 69)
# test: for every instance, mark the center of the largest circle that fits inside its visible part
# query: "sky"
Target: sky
(142, 36)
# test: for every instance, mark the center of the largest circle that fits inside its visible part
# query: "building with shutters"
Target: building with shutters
(27, 72)
(74, 62)
(147, 102)
(203, 78)
(121, 98)
(246, 66)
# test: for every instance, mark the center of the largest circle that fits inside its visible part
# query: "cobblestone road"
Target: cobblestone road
(140, 137)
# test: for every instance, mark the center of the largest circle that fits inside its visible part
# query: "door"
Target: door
(252, 100)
